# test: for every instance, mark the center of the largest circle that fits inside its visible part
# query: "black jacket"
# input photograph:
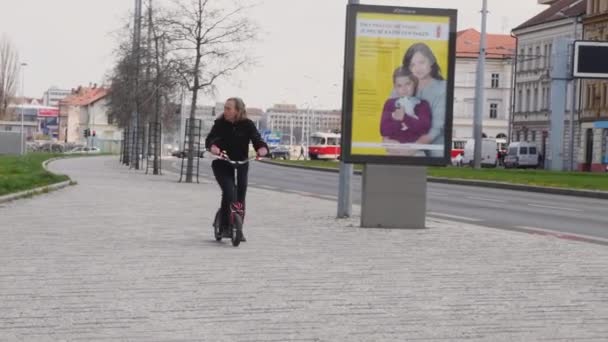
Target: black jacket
(234, 138)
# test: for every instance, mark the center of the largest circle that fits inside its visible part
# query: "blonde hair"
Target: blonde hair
(240, 108)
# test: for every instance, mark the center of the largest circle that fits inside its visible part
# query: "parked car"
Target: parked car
(489, 152)
(279, 152)
(182, 154)
(522, 154)
(84, 150)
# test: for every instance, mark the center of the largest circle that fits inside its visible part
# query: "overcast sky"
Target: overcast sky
(67, 43)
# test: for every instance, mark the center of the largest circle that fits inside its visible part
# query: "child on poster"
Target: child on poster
(405, 118)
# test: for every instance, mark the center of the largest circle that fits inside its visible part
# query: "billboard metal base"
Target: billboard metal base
(393, 197)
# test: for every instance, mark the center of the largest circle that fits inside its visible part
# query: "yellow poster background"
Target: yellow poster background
(375, 61)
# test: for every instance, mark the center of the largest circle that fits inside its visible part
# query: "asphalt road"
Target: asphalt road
(496, 208)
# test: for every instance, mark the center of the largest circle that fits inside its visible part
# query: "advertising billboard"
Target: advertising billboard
(398, 85)
(590, 59)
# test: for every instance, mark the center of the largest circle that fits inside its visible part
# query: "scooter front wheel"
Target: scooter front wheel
(237, 230)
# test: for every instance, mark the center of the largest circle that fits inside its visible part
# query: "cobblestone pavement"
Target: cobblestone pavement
(127, 257)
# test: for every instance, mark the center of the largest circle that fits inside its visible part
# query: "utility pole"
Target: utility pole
(574, 98)
(345, 200)
(479, 87)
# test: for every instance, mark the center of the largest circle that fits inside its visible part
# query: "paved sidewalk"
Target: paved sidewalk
(124, 256)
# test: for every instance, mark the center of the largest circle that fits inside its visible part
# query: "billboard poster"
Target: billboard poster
(398, 85)
(590, 59)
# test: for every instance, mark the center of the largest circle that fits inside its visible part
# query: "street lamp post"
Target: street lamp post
(479, 88)
(22, 149)
(574, 97)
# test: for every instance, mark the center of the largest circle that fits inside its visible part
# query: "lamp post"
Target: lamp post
(479, 88)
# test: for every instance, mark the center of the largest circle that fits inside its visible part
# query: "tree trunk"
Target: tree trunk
(190, 167)
(195, 88)
(157, 105)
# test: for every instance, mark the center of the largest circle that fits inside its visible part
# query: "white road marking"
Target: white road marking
(485, 199)
(470, 219)
(437, 193)
(554, 208)
(307, 194)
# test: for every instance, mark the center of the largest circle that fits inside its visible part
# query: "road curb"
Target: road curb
(479, 183)
(40, 190)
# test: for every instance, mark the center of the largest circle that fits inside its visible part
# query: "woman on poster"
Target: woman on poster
(432, 88)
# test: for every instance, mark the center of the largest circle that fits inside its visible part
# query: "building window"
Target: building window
(542, 99)
(493, 110)
(533, 135)
(527, 100)
(546, 56)
(518, 136)
(595, 6)
(537, 57)
(525, 135)
(522, 58)
(535, 108)
(530, 58)
(495, 80)
(520, 100)
(595, 103)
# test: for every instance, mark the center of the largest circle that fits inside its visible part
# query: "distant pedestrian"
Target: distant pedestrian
(458, 160)
(541, 161)
(301, 152)
(501, 157)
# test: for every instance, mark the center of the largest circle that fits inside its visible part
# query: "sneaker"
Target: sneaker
(240, 236)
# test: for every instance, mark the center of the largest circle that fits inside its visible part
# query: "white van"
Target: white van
(522, 154)
(488, 152)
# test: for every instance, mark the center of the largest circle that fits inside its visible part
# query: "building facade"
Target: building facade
(498, 82)
(593, 148)
(296, 124)
(531, 118)
(54, 95)
(86, 108)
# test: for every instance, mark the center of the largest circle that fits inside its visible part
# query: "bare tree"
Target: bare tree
(121, 105)
(207, 39)
(155, 87)
(9, 72)
(165, 82)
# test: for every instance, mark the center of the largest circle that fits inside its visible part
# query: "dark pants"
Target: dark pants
(224, 174)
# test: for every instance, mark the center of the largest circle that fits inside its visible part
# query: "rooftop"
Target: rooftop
(84, 96)
(561, 9)
(499, 46)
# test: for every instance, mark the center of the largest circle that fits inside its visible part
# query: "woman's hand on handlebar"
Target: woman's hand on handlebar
(215, 150)
(262, 152)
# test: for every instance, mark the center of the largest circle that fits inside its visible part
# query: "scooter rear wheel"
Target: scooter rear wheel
(217, 227)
